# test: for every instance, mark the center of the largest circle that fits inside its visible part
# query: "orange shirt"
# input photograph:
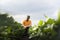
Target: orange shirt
(27, 23)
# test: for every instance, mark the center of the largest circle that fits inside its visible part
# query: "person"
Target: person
(26, 24)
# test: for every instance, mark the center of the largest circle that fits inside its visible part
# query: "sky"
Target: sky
(19, 9)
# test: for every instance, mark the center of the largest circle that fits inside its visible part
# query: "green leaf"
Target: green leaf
(50, 21)
(40, 23)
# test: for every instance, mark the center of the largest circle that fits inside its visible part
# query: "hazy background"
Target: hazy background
(19, 9)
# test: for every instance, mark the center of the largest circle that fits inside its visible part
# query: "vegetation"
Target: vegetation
(44, 30)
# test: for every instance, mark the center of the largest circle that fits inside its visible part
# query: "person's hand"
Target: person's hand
(24, 27)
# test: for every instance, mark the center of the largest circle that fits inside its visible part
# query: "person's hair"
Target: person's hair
(28, 17)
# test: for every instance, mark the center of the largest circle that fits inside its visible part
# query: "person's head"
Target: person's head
(28, 17)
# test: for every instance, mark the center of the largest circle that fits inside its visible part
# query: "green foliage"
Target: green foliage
(41, 22)
(50, 21)
(48, 30)
(45, 30)
(9, 27)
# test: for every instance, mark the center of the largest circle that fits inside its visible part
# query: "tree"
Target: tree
(9, 28)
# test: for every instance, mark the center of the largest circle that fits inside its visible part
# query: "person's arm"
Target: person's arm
(23, 24)
(30, 24)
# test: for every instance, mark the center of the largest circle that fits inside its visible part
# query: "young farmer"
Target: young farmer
(26, 25)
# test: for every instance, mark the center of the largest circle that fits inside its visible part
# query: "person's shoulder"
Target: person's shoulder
(30, 20)
(24, 20)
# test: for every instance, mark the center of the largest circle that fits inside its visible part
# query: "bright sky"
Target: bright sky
(19, 9)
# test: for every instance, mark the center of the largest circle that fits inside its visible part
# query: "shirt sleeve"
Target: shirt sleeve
(23, 23)
(30, 23)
